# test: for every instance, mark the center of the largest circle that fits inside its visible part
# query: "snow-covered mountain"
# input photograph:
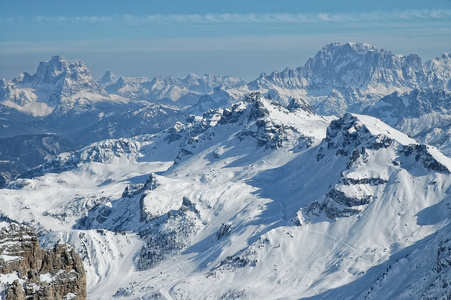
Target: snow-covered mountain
(423, 114)
(439, 70)
(213, 187)
(58, 86)
(182, 92)
(254, 200)
(63, 101)
(107, 79)
(61, 98)
(349, 77)
(340, 78)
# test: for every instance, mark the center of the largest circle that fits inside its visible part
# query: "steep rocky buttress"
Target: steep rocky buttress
(29, 272)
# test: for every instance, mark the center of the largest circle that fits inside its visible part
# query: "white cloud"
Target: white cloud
(94, 19)
(213, 18)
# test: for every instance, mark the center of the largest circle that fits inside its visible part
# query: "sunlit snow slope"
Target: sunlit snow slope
(257, 200)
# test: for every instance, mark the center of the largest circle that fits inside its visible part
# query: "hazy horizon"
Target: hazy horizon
(162, 38)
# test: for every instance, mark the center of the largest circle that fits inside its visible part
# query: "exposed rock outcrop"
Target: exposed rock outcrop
(56, 273)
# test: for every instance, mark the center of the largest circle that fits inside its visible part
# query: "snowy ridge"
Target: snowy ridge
(363, 143)
(185, 91)
(253, 188)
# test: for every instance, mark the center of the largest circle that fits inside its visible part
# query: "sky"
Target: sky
(238, 38)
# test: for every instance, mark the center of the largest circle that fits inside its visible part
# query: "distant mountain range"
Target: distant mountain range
(62, 97)
(328, 181)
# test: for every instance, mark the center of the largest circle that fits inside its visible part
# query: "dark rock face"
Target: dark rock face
(224, 231)
(342, 198)
(300, 104)
(427, 160)
(338, 204)
(350, 138)
(58, 272)
(15, 291)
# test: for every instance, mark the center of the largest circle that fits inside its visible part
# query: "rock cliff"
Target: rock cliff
(30, 272)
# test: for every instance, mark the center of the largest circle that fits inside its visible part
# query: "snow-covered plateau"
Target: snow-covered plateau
(328, 181)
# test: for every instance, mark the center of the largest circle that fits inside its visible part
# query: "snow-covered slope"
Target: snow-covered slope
(255, 200)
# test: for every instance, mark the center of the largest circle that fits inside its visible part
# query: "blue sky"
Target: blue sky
(241, 38)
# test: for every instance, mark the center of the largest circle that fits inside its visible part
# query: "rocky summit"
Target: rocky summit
(30, 272)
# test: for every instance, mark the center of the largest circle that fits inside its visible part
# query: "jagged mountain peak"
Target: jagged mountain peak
(334, 53)
(338, 48)
(192, 76)
(363, 66)
(107, 78)
(367, 157)
(352, 134)
(121, 80)
(440, 71)
(442, 59)
(300, 104)
(359, 73)
(256, 122)
(58, 85)
(48, 73)
(365, 126)
(61, 78)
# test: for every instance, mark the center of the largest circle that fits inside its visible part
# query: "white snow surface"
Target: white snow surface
(249, 201)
